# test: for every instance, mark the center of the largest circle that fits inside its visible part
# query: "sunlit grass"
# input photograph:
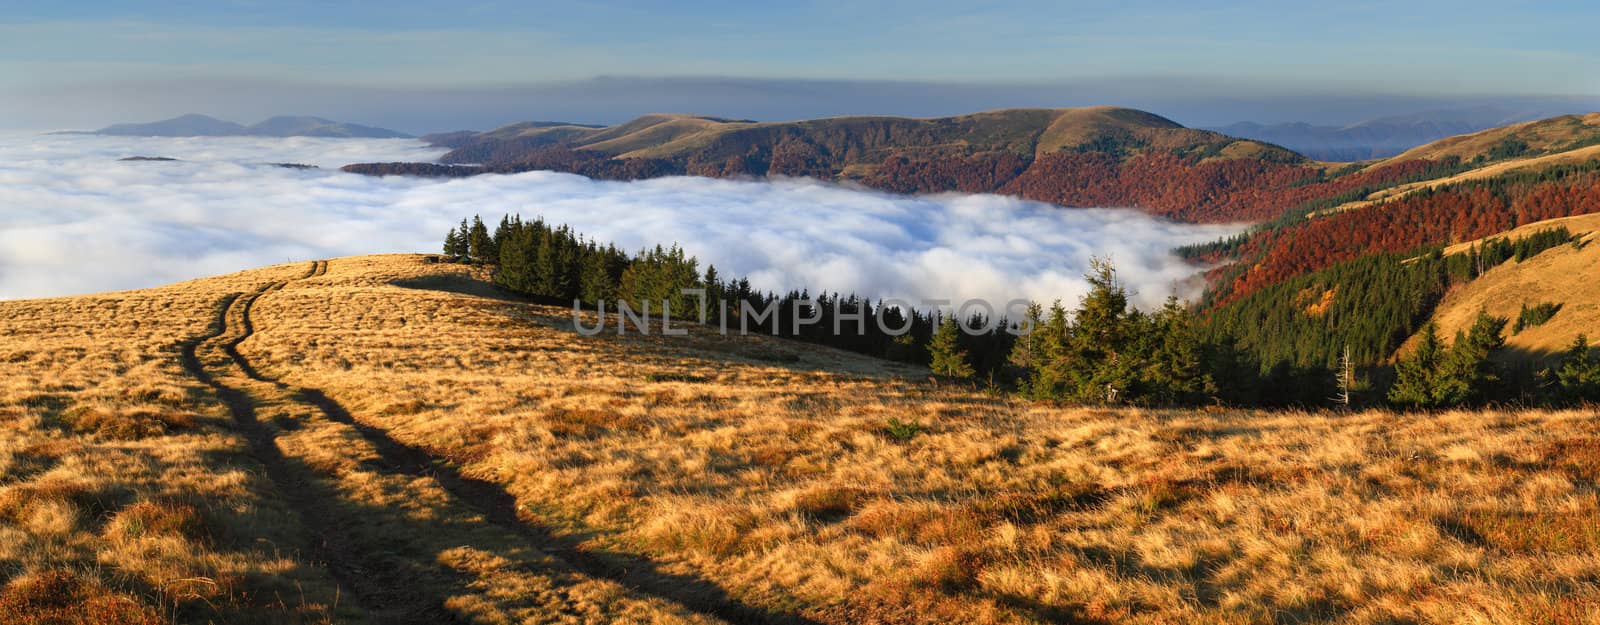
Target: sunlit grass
(802, 481)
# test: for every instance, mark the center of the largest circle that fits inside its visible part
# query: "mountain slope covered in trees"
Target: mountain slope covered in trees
(1098, 156)
(1500, 239)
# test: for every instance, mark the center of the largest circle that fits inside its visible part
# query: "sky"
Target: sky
(429, 66)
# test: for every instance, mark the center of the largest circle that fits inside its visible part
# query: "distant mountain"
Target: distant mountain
(303, 126)
(1525, 140)
(1091, 156)
(195, 125)
(191, 125)
(1381, 137)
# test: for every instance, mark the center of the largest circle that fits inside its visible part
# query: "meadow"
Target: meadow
(391, 439)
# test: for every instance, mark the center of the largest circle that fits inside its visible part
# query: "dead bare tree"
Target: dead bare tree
(1346, 380)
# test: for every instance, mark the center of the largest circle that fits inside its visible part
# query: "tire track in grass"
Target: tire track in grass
(396, 590)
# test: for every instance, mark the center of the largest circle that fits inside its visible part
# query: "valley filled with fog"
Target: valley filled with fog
(76, 219)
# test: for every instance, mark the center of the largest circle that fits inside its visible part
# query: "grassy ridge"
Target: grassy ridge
(775, 481)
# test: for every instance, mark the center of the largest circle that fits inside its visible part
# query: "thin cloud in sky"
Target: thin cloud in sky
(73, 219)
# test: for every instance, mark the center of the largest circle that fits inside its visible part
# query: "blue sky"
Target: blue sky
(1287, 48)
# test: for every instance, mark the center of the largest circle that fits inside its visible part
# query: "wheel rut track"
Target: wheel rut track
(371, 585)
(487, 498)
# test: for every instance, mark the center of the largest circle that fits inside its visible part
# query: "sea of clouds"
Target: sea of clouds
(74, 219)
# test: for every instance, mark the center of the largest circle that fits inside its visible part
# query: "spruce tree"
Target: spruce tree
(1050, 373)
(946, 357)
(479, 244)
(1101, 366)
(1577, 378)
(1024, 353)
(1415, 374)
(1469, 372)
(452, 244)
(1175, 370)
(715, 294)
(516, 261)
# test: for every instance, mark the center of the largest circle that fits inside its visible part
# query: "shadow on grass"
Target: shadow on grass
(392, 584)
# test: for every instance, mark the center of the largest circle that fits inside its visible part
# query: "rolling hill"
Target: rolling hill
(1367, 270)
(195, 125)
(307, 126)
(391, 439)
(191, 125)
(1563, 276)
(1097, 156)
(1384, 137)
(843, 142)
(1524, 140)
(1368, 140)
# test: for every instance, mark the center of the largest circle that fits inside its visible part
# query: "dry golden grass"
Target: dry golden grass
(1562, 275)
(455, 454)
(125, 494)
(768, 471)
(1540, 135)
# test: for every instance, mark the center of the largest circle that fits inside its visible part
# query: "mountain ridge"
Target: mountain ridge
(1088, 156)
(198, 125)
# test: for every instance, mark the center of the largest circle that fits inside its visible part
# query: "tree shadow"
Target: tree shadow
(385, 581)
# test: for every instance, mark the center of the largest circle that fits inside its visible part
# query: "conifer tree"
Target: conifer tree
(1050, 373)
(1175, 370)
(1577, 378)
(1415, 375)
(480, 245)
(501, 232)
(946, 357)
(1468, 372)
(716, 294)
(453, 244)
(1024, 353)
(463, 234)
(1101, 365)
(516, 261)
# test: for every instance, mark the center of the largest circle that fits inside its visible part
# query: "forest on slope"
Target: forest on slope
(1297, 343)
(1344, 261)
(1099, 156)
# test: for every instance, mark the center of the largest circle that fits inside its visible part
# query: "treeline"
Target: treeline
(584, 163)
(1300, 331)
(1459, 212)
(1368, 305)
(555, 264)
(1193, 184)
(1188, 188)
(1105, 351)
(1466, 372)
(1285, 345)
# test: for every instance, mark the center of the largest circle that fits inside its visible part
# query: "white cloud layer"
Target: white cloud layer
(74, 219)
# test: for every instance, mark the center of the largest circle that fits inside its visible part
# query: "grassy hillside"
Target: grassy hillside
(869, 140)
(1525, 140)
(387, 439)
(1457, 189)
(1095, 156)
(1564, 276)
